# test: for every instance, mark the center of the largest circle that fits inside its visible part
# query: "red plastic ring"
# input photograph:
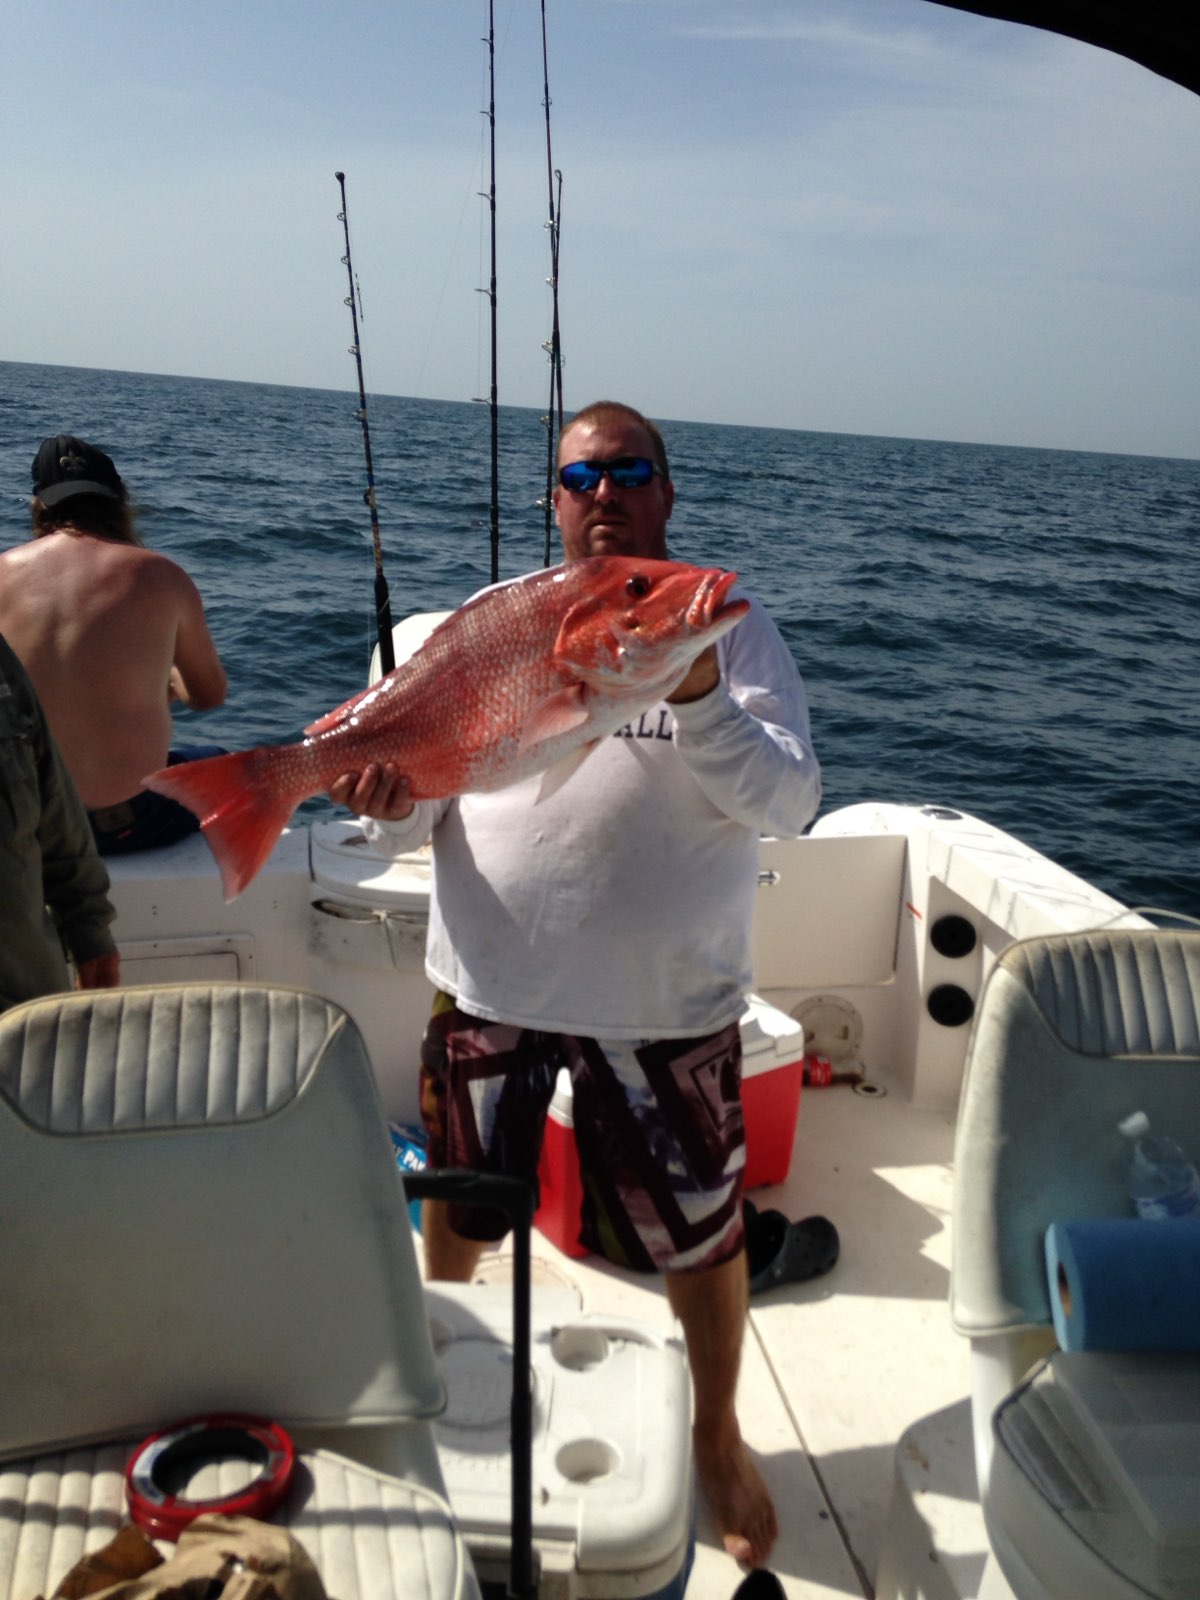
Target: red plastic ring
(164, 1515)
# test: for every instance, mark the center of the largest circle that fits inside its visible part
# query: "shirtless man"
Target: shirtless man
(110, 633)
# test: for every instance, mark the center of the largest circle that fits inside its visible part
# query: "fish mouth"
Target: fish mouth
(709, 603)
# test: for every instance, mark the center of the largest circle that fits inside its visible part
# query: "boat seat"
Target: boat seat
(1088, 1462)
(201, 1213)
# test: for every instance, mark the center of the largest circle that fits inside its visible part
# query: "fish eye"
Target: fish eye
(638, 586)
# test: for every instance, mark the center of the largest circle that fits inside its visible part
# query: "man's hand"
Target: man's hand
(377, 791)
(703, 677)
(101, 972)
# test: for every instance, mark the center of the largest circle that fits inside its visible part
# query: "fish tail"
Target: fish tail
(241, 806)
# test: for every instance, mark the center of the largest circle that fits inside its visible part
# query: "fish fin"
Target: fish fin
(554, 777)
(241, 810)
(339, 713)
(559, 713)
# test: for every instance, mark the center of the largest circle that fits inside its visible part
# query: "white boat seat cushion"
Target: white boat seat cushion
(1088, 1471)
(199, 1211)
(1074, 1032)
(1095, 1482)
(369, 1534)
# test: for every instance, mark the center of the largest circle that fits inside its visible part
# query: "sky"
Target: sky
(854, 216)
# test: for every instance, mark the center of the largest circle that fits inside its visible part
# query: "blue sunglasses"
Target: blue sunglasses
(627, 472)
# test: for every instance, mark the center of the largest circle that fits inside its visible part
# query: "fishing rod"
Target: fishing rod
(553, 346)
(490, 197)
(383, 604)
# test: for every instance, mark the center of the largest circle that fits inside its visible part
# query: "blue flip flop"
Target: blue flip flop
(779, 1251)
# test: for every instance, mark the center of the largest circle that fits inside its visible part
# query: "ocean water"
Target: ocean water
(1012, 632)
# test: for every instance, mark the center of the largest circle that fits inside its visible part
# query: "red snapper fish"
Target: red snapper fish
(525, 677)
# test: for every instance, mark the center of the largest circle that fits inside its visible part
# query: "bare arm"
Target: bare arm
(197, 677)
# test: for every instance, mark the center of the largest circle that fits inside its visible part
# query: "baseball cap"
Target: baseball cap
(66, 466)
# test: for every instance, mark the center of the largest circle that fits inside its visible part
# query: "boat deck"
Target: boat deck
(835, 1370)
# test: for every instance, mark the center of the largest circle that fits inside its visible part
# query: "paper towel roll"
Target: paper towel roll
(1120, 1283)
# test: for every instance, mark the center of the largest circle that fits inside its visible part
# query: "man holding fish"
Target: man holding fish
(599, 919)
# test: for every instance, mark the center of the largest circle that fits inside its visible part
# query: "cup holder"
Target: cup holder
(587, 1460)
(579, 1349)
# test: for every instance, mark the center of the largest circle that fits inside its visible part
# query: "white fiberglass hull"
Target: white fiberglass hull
(835, 1370)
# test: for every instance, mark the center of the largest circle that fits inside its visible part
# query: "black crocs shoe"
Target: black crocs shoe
(779, 1251)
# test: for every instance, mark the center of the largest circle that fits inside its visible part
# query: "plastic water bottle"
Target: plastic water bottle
(1163, 1183)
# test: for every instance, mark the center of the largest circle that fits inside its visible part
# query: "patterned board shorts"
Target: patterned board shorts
(658, 1127)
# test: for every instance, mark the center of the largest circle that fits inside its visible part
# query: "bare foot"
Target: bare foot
(740, 1500)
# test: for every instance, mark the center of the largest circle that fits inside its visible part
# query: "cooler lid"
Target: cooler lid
(767, 1031)
(612, 1439)
(344, 866)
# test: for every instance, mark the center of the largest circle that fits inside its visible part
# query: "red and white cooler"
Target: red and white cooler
(772, 1075)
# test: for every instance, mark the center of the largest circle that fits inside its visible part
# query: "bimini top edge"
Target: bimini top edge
(1160, 35)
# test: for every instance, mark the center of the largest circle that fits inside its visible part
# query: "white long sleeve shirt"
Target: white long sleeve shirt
(620, 906)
